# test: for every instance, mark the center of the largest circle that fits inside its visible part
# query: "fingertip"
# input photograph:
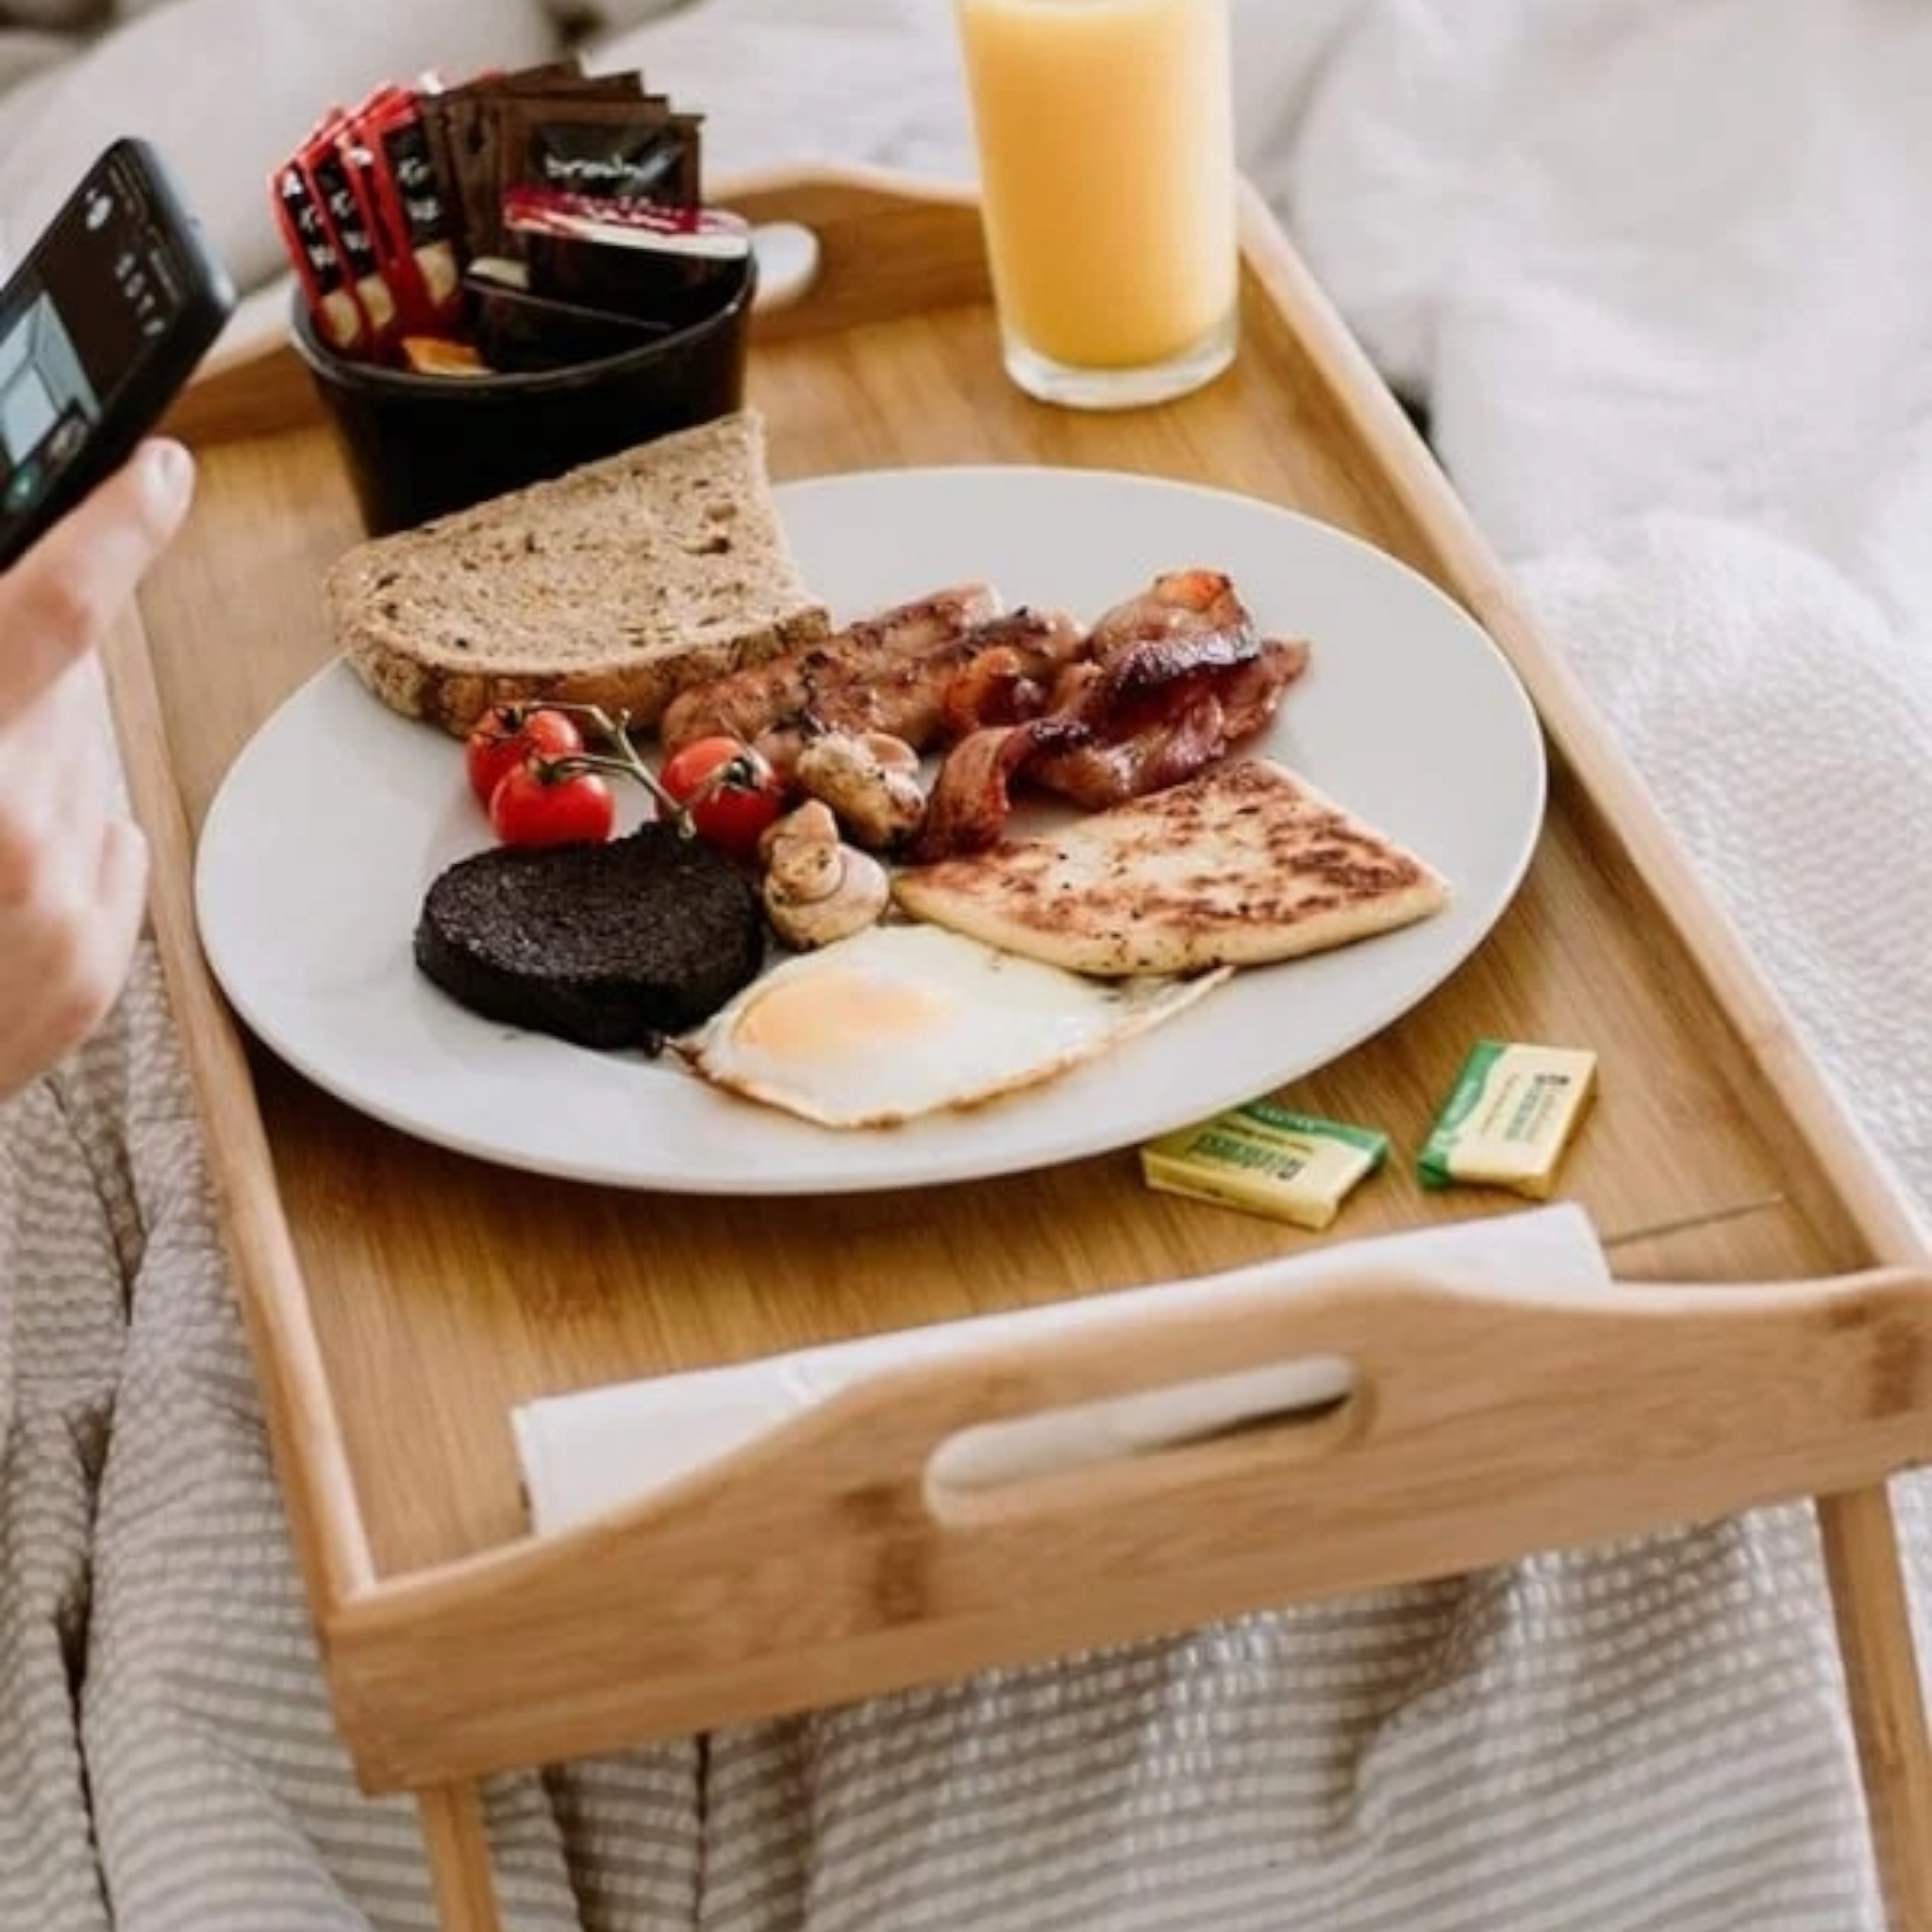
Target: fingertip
(61, 595)
(166, 475)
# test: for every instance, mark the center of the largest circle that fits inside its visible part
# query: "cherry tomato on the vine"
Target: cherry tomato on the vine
(728, 790)
(536, 803)
(505, 734)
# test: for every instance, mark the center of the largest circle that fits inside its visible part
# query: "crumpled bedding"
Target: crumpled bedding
(1673, 356)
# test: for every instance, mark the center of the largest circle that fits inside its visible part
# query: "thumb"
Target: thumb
(59, 600)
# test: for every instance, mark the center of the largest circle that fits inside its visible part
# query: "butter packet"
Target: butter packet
(1509, 1118)
(1266, 1159)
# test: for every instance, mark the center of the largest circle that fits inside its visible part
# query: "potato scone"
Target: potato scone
(1245, 864)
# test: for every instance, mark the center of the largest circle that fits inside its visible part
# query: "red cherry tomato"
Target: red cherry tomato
(505, 734)
(728, 789)
(536, 803)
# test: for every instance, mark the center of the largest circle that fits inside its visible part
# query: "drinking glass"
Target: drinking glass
(1105, 131)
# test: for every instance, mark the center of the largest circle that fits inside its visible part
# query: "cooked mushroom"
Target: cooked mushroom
(800, 855)
(862, 893)
(869, 779)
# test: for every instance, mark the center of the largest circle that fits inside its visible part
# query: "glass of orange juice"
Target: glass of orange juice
(1107, 158)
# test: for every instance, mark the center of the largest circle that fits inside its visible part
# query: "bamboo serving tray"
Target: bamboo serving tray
(402, 1300)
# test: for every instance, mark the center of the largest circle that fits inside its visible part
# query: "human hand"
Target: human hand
(72, 865)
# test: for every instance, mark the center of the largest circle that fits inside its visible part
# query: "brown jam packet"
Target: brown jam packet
(635, 258)
(467, 143)
(519, 332)
(627, 151)
(463, 127)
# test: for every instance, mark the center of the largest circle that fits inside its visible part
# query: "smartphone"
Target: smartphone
(100, 325)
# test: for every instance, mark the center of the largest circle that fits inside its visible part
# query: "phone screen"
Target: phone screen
(74, 321)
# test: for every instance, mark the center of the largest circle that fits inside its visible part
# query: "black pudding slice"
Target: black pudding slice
(608, 945)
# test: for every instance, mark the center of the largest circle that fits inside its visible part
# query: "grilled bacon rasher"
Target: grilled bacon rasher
(1171, 680)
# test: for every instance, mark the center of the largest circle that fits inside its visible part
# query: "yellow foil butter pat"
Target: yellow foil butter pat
(1509, 1117)
(1268, 1160)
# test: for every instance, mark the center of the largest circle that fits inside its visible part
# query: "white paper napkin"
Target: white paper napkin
(589, 1451)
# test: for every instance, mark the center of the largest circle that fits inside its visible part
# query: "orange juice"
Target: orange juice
(1105, 141)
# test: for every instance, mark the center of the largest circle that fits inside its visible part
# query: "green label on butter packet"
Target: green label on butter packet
(1268, 1159)
(1289, 1122)
(1508, 1117)
(1439, 1150)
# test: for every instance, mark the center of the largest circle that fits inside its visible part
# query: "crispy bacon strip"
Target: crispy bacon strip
(966, 809)
(1177, 677)
(1147, 740)
(1185, 619)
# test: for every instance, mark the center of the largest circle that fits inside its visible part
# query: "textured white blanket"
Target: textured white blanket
(1663, 275)
(1652, 267)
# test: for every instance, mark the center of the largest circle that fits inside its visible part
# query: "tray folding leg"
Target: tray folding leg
(1871, 1608)
(457, 1848)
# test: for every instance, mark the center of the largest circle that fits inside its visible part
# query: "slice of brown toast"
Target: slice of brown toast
(620, 583)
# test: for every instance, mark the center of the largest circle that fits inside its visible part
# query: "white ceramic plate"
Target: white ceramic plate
(328, 827)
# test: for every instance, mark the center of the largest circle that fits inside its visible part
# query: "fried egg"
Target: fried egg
(899, 1021)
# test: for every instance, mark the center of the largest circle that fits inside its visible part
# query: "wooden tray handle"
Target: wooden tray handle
(1298, 1384)
(1473, 1425)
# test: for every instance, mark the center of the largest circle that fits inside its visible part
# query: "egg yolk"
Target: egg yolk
(833, 1014)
